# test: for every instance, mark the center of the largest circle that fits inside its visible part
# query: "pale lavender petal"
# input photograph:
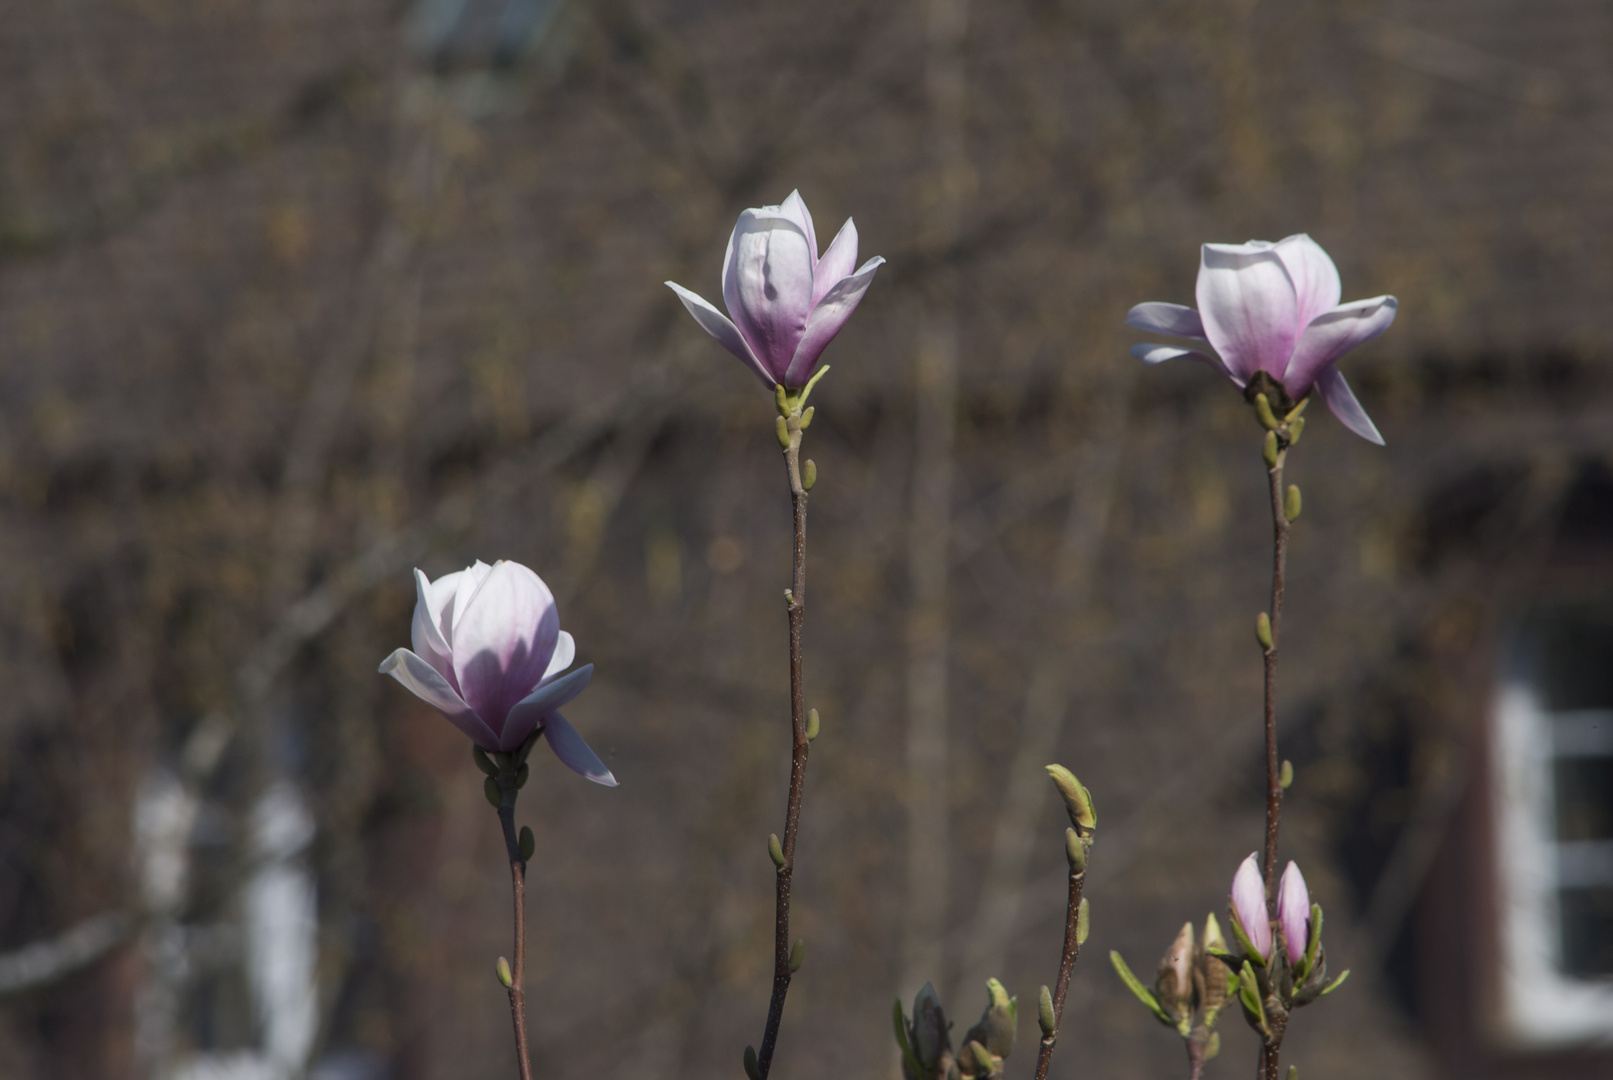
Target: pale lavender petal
(427, 684)
(1294, 911)
(503, 641)
(577, 756)
(837, 263)
(1316, 279)
(552, 694)
(795, 208)
(1333, 334)
(717, 325)
(827, 319)
(1332, 388)
(1249, 308)
(565, 651)
(1176, 320)
(429, 643)
(1249, 905)
(1158, 354)
(767, 285)
(465, 584)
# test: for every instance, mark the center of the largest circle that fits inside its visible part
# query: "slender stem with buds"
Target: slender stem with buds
(792, 421)
(512, 848)
(1072, 949)
(1274, 787)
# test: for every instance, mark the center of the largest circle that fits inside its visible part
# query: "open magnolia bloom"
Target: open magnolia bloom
(787, 303)
(1273, 308)
(489, 654)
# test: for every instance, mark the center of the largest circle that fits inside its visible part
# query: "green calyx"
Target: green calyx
(791, 401)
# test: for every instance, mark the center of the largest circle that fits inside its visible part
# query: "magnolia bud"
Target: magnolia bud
(1075, 850)
(1083, 922)
(929, 1029)
(809, 474)
(1295, 427)
(797, 954)
(1263, 630)
(1291, 504)
(1268, 450)
(997, 1026)
(502, 970)
(782, 429)
(1044, 1013)
(980, 1058)
(494, 796)
(1174, 985)
(483, 762)
(521, 775)
(527, 842)
(752, 1069)
(806, 417)
(1285, 775)
(1268, 419)
(1077, 799)
(775, 850)
(812, 725)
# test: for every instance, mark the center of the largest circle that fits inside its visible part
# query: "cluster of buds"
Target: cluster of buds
(1278, 966)
(1190, 990)
(926, 1042)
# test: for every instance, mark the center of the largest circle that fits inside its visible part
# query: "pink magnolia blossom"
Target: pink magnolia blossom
(1273, 308)
(1294, 911)
(787, 303)
(1249, 906)
(490, 655)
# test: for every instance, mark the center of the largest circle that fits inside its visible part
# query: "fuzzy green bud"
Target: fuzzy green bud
(1268, 419)
(1083, 922)
(782, 429)
(1044, 1013)
(809, 475)
(1292, 503)
(527, 842)
(1077, 799)
(502, 970)
(797, 954)
(1075, 850)
(752, 1069)
(806, 416)
(483, 762)
(522, 774)
(490, 789)
(812, 724)
(1268, 450)
(1285, 775)
(982, 1062)
(775, 850)
(1295, 427)
(1263, 630)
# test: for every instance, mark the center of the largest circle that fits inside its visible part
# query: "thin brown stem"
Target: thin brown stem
(512, 848)
(796, 606)
(1274, 787)
(1072, 949)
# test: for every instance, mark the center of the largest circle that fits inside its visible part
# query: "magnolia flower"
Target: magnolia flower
(1294, 912)
(1249, 906)
(1273, 308)
(787, 303)
(489, 654)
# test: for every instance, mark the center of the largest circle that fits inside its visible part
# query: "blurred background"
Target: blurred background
(297, 296)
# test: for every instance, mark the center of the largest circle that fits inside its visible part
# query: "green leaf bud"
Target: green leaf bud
(782, 430)
(1075, 850)
(1293, 1072)
(1213, 1047)
(1294, 413)
(490, 789)
(752, 1069)
(1285, 775)
(1083, 922)
(809, 474)
(1292, 503)
(1268, 419)
(775, 850)
(1044, 1013)
(806, 416)
(1077, 799)
(502, 970)
(483, 762)
(1296, 427)
(527, 842)
(981, 1058)
(1268, 450)
(797, 954)
(521, 775)
(812, 724)
(1263, 630)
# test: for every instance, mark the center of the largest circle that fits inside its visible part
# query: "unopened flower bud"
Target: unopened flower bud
(1249, 908)
(1174, 986)
(1294, 912)
(929, 1031)
(1077, 799)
